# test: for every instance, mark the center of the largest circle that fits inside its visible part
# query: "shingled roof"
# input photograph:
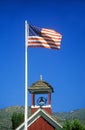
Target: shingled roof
(41, 87)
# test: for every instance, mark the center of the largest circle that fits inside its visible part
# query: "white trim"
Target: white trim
(47, 106)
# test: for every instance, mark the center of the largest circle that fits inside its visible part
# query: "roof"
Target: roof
(41, 113)
(41, 87)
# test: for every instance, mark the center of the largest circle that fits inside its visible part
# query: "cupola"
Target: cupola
(39, 88)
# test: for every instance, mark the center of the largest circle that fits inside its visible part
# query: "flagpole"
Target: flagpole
(26, 78)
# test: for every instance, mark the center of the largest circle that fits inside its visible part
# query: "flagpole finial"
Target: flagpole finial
(40, 77)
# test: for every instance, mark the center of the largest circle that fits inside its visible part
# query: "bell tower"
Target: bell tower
(41, 117)
(41, 88)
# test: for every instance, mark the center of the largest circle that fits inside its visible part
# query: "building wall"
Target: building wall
(41, 124)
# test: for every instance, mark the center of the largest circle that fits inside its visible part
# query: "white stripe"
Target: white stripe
(50, 32)
(34, 36)
(52, 36)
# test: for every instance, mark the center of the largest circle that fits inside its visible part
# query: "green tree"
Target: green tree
(74, 125)
(67, 125)
(77, 125)
(17, 119)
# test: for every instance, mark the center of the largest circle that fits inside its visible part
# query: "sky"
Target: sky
(64, 69)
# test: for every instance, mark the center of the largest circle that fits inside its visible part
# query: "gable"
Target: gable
(44, 116)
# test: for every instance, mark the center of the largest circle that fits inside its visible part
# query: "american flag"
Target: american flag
(43, 37)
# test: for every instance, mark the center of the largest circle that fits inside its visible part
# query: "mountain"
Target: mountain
(5, 116)
(78, 114)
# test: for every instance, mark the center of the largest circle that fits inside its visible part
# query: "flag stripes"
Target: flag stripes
(46, 38)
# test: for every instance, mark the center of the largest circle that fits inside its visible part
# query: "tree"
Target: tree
(74, 125)
(17, 119)
(77, 125)
(67, 125)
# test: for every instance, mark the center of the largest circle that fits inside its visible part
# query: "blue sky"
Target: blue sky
(63, 69)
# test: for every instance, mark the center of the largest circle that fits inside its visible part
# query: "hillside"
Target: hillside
(5, 116)
(78, 114)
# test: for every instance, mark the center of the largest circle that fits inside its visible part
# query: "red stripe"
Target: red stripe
(55, 39)
(49, 47)
(44, 42)
(56, 44)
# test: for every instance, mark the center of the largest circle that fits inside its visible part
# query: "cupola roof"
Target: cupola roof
(41, 87)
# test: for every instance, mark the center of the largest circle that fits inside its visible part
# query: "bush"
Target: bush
(75, 125)
(17, 119)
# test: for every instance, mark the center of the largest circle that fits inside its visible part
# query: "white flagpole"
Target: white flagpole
(26, 77)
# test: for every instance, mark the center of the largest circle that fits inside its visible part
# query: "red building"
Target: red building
(41, 111)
